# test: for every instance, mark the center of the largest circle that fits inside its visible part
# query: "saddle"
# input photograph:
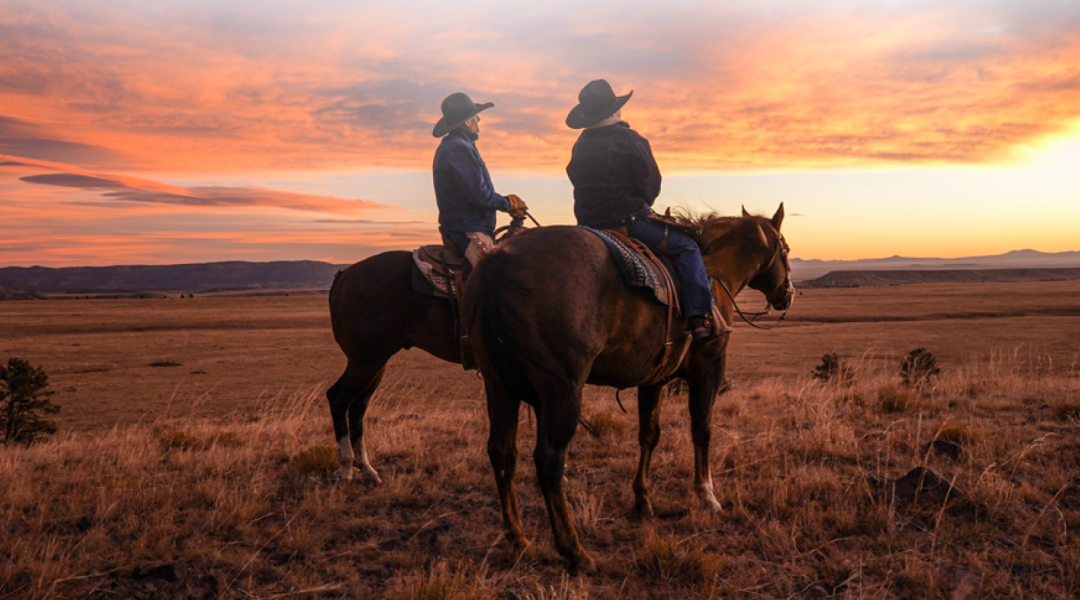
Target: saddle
(641, 267)
(442, 268)
(441, 271)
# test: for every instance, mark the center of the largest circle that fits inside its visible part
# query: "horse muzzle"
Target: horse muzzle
(784, 298)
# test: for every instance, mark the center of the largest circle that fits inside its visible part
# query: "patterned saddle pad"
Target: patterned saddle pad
(636, 270)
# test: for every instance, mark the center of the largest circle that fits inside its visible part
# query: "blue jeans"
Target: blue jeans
(689, 269)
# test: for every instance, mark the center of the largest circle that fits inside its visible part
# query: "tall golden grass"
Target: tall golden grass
(245, 506)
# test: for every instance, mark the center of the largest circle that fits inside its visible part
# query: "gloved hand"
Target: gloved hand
(517, 207)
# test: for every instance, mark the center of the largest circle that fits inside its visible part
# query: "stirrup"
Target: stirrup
(701, 329)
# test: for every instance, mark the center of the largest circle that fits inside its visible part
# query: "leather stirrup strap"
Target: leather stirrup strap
(665, 366)
(456, 283)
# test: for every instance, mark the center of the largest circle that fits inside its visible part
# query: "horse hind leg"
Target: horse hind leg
(649, 401)
(502, 450)
(555, 428)
(349, 399)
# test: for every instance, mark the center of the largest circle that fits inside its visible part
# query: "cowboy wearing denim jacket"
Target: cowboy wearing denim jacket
(616, 181)
(463, 191)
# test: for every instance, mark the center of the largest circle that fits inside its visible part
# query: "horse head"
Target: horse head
(752, 251)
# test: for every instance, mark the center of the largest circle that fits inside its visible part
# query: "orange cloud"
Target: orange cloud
(781, 86)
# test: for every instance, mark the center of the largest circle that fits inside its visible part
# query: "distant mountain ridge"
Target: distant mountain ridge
(199, 277)
(243, 275)
(844, 279)
(803, 270)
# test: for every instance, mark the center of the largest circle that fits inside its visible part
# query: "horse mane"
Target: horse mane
(703, 227)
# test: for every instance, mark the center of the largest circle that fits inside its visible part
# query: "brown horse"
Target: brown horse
(375, 313)
(549, 313)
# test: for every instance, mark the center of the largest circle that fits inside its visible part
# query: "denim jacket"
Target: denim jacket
(463, 190)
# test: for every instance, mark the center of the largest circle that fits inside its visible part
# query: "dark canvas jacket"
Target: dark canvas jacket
(463, 191)
(614, 175)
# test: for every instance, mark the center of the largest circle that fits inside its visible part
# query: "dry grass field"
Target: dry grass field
(195, 450)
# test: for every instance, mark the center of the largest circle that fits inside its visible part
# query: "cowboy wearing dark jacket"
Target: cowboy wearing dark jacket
(463, 191)
(616, 181)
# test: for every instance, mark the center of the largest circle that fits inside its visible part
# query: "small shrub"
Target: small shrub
(666, 559)
(954, 433)
(893, 400)
(974, 390)
(440, 583)
(318, 461)
(728, 408)
(677, 387)
(833, 368)
(918, 367)
(173, 438)
(23, 399)
(1067, 411)
(604, 425)
(225, 439)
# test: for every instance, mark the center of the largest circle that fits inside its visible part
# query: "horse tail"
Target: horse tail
(493, 281)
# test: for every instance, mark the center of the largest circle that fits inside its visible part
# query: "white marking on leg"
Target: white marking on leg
(364, 465)
(345, 460)
(705, 493)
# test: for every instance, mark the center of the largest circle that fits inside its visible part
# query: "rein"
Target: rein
(754, 316)
(781, 250)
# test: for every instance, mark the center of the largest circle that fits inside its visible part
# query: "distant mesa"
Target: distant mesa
(806, 270)
(845, 279)
(202, 278)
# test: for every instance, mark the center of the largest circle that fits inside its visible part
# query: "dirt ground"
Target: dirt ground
(116, 362)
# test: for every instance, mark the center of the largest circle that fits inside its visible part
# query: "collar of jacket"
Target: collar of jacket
(618, 124)
(464, 134)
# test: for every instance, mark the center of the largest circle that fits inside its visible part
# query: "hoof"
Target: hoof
(342, 474)
(644, 510)
(516, 539)
(373, 475)
(583, 565)
(712, 506)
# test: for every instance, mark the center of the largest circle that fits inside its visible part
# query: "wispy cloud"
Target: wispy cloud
(131, 189)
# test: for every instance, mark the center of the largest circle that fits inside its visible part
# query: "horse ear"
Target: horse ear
(778, 218)
(764, 239)
(744, 213)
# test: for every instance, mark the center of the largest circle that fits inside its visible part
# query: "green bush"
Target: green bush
(23, 399)
(833, 368)
(919, 366)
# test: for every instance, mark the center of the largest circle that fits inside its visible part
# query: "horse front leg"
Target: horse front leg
(556, 422)
(349, 399)
(649, 401)
(703, 389)
(502, 451)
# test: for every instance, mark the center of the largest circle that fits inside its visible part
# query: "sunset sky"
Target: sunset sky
(138, 132)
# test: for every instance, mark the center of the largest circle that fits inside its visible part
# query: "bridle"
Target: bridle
(782, 252)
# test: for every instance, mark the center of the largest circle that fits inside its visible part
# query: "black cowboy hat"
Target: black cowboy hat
(456, 109)
(596, 102)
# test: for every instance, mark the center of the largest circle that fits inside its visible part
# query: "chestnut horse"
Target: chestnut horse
(375, 313)
(549, 312)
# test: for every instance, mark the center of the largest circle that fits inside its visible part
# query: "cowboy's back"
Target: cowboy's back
(614, 175)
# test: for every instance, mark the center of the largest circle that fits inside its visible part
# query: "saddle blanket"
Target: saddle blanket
(636, 270)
